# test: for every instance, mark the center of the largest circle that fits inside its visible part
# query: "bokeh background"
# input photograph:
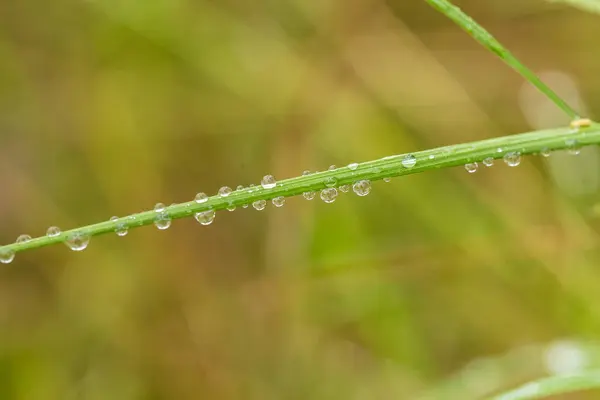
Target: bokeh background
(443, 285)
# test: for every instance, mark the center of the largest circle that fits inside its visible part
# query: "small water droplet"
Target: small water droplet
(471, 167)
(239, 188)
(251, 188)
(573, 147)
(331, 167)
(344, 188)
(121, 228)
(268, 182)
(159, 207)
(488, 162)
(306, 173)
(230, 207)
(201, 198)
(431, 156)
(78, 241)
(353, 166)
(409, 161)
(205, 217)
(362, 188)
(545, 152)
(53, 231)
(162, 221)
(244, 205)
(23, 238)
(331, 181)
(309, 195)
(6, 256)
(387, 180)
(329, 195)
(512, 159)
(259, 205)
(499, 150)
(278, 201)
(225, 191)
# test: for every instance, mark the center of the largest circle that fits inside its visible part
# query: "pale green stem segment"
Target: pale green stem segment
(387, 167)
(489, 42)
(553, 386)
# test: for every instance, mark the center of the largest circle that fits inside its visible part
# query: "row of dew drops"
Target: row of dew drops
(79, 241)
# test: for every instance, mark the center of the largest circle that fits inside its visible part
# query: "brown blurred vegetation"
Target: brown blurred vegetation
(109, 106)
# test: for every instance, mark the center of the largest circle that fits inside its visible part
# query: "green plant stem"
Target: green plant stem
(387, 167)
(553, 386)
(489, 42)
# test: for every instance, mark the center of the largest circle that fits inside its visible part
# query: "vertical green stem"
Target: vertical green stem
(489, 42)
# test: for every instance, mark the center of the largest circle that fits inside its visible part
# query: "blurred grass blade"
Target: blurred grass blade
(489, 42)
(554, 386)
(585, 5)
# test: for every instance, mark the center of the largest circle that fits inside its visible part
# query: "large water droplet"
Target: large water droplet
(512, 159)
(259, 205)
(78, 241)
(159, 207)
(471, 167)
(268, 182)
(53, 231)
(162, 221)
(121, 228)
(23, 238)
(205, 217)
(362, 188)
(329, 195)
(409, 161)
(353, 166)
(278, 201)
(488, 162)
(344, 188)
(225, 191)
(545, 152)
(201, 198)
(573, 147)
(6, 256)
(331, 181)
(309, 195)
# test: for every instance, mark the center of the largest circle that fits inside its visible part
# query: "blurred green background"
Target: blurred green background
(444, 285)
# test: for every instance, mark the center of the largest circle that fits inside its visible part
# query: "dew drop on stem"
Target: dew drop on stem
(259, 205)
(205, 217)
(6, 256)
(471, 167)
(162, 221)
(53, 231)
(362, 188)
(409, 161)
(23, 238)
(201, 198)
(78, 241)
(278, 201)
(268, 182)
(329, 195)
(512, 159)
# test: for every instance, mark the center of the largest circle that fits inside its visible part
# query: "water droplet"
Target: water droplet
(278, 201)
(488, 162)
(545, 152)
(512, 159)
(225, 191)
(23, 238)
(353, 166)
(162, 221)
(431, 156)
(409, 161)
(306, 173)
(268, 182)
(78, 241)
(362, 188)
(53, 231)
(387, 180)
(201, 198)
(230, 207)
(331, 181)
(499, 150)
(471, 167)
(344, 188)
(309, 195)
(329, 195)
(121, 228)
(159, 207)
(573, 147)
(244, 205)
(332, 167)
(239, 188)
(259, 205)
(205, 217)
(6, 256)
(251, 188)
